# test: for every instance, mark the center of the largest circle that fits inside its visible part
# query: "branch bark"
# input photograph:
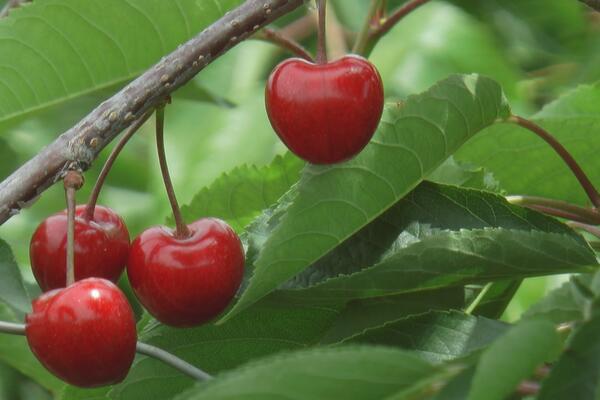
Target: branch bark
(78, 147)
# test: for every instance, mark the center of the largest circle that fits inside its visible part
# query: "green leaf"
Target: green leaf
(56, 50)
(474, 256)
(240, 195)
(577, 373)
(463, 174)
(352, 373)
(563, 304)
(513, 358)
(12, 290)
(436, 336)
(334, 202)
(360, 315)
(523, 163)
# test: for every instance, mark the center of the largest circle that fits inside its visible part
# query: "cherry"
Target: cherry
(84, 334)
(186, 281)
(101, 247)
(325, 113)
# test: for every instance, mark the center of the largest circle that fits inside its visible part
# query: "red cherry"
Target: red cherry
(186, 282)
(325, 113)
(84, 334)
(101, 247)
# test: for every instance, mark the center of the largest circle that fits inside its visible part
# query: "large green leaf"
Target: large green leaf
(12, 290)
(513, 358)
(240, 195)
(458, 258)
(436, 336)
(334, 202)
(524, 164)
(56, 50)
(351, 373)
(427, 210)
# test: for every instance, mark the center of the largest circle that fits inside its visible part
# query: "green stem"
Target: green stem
(181, 231)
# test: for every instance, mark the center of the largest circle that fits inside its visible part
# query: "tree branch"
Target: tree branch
(78, 147)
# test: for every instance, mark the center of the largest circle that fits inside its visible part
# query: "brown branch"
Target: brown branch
(577, 213)
(79, 146)
(286, 43)
(10, 4)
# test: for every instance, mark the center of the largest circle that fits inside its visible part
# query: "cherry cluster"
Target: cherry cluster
(85, 333)
(325, 112)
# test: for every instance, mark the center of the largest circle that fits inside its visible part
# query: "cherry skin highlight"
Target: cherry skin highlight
(84, 334)
(101, 247)
(325, 113)
(186, 282)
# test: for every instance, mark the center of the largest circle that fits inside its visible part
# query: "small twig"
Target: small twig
(386, 25)
(286, 43)
(172, 360)
(584, 181)
(91, 204)
(577, 213)
(73, 181)
(182, 231)
(142, 348)
(555, 212)
(322, 32)
(594, 230)
(10, 4)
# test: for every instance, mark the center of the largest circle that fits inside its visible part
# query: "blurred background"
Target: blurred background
(535, 49)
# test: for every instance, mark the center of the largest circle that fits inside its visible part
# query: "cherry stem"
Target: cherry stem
(91, 204)
(321, 31)
(182, 231)
(172, 360)
(142, 348)
(584, 181)
(574, 212)
(373, 34)
(11, 328)
(284, 42)
(72, 181)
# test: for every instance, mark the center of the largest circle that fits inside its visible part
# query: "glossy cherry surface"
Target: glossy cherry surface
(101, 247)
(186, 282)
(325, 113)
(84, 334)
